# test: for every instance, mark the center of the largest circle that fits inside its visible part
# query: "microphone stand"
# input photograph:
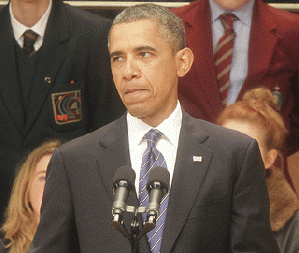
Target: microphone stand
(136, 233)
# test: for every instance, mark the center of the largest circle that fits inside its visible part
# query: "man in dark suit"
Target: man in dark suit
(265, 54)
(63, 89)
(218, 198)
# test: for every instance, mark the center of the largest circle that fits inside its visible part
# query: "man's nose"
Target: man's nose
(131, 69)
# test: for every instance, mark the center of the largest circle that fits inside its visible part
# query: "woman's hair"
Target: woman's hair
(257, 107)
(20, 222)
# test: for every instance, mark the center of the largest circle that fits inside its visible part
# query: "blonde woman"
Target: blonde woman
(257, 116)
(23, 213)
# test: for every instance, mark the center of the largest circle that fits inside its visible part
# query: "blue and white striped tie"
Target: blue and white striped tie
(150, 159)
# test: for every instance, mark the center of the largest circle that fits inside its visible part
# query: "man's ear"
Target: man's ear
(271, 157)
(184, 59)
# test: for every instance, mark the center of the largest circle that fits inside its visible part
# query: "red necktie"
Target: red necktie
(224, 54)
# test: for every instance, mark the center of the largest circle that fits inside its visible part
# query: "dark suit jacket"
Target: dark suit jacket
(217, 205)
(73, 57)
(273, 60)
(2, 249)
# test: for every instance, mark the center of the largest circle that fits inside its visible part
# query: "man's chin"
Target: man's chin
(137, 111)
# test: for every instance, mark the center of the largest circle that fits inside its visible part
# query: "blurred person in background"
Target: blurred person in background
(256, 115)
(263, 50)
(23, 213)
(55, 77)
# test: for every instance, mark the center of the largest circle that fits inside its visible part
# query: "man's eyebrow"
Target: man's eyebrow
(115, 53)
(145, 48)
(137, 49)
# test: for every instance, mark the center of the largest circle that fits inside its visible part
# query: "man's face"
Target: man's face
(144, 69)
(232, 5)
(36, 189)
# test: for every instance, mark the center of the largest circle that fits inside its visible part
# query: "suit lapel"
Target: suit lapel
(116, 147)
(53, 53)
(9, 83)
(199, 26)
(187, 179)
(261, 45)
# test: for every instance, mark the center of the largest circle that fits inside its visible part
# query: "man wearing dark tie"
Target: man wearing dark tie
(218, 200)
(55, 79)
(264, 54)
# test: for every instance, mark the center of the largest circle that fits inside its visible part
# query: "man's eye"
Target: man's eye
(145, 54)
(115, 59)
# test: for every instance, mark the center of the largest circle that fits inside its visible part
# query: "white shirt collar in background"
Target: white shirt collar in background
(39, 28)
(244, 14)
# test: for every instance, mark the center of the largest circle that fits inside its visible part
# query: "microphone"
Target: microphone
(157, 187)
(123, 186)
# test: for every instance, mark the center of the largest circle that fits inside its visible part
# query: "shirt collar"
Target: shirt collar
(244, 14)
(170, 127)
(39, 27)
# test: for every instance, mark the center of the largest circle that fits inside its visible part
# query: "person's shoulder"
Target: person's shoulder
(185, 8)
(218, 135)
(85, 20)
(189, 9)
(86, 15)
(282, 18)
(218, 131)
(294, 222)
(2, 249)
(4, 15)
(4, 9)
(287, 237)
(108, 134)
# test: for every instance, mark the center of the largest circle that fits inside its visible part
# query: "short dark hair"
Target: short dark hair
(171, 26)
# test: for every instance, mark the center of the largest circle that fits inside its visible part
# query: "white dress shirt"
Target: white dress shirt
(242, 28)
(39, 28)
(167, 144)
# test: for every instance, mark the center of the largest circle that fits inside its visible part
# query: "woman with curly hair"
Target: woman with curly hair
(257, 116)
(23, 213)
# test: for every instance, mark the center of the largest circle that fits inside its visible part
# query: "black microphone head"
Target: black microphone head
(159, 174)
(125, 173)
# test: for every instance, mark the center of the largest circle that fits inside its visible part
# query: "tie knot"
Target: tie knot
(29, 39)
(152, 137)
(227, 20)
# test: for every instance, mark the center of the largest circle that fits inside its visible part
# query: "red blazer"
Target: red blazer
(273, 60)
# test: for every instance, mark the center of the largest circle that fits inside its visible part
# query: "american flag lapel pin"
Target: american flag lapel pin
(197, 158)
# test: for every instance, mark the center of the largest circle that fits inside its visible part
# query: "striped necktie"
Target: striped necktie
(29, 40)
(224, 54)
(150, 159)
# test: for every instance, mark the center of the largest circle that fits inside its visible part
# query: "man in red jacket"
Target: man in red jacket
(265, 53)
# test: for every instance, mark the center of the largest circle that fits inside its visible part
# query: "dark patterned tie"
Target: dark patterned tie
(150, 159)
(224, 54)
(29, 40)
